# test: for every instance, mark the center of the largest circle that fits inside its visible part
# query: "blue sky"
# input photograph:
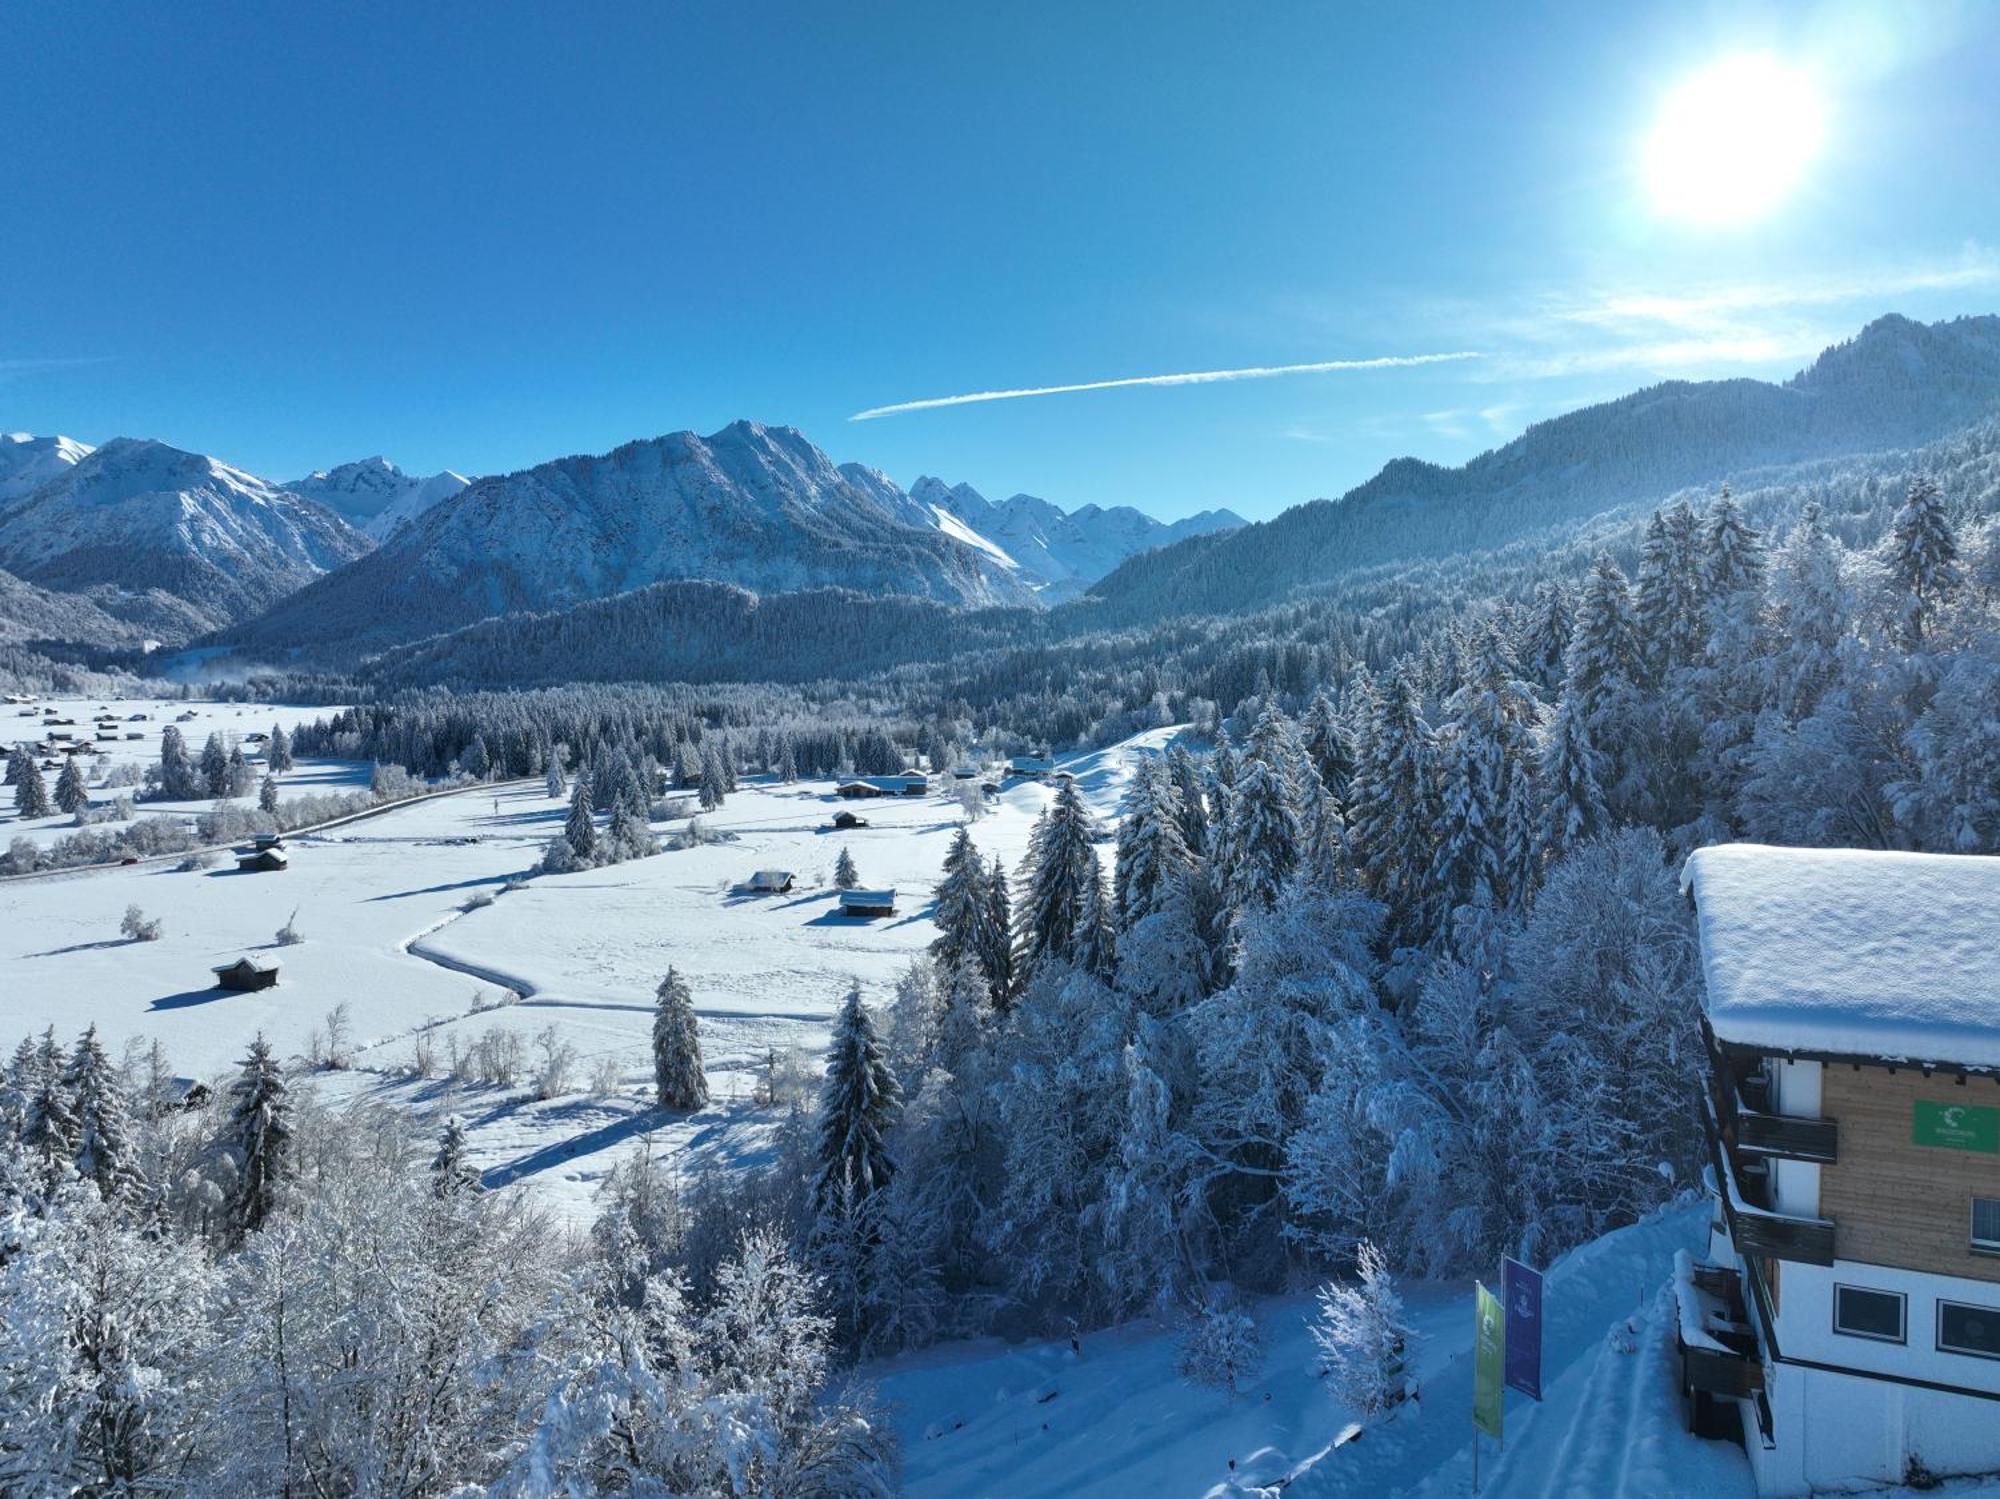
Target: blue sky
(478, 236)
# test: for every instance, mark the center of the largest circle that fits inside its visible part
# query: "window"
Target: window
(1868, 1314)
(1986, 1224)
(1968, 1329)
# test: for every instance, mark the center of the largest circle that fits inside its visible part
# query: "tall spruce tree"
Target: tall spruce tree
(1152, 843)
(1062, 860)
(105, 1152)
(580, 831)
(1923, 562)
(845, 875)
(961, 902)
(859, 1105)
(451, 1173)
(31, 793)
(1189, 799)
(71, 793)
(1394, 817)
(678, 1075)
(259, 1134)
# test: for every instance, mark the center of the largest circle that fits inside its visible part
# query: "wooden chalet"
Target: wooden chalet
(1847, 1315)
(912, 784)
(1030, 767)
(866, 903)
(263, 861)
(770, 881)
(846, 820)
(246, 973)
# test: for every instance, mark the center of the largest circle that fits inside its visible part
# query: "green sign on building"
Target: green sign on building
(1956, 1126)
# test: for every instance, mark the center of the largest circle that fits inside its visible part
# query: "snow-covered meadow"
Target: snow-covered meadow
(393, 911)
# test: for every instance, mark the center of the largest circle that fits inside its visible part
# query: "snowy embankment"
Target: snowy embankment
(1116, 1419)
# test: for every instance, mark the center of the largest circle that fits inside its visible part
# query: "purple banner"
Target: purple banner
(1521, 1293)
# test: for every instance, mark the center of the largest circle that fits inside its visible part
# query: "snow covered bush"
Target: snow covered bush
(289, 935)
(1221, 1347)
(555, 1060)
(1363, 1337)
(137, 926)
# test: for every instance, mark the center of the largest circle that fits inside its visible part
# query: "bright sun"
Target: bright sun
(1731, 142)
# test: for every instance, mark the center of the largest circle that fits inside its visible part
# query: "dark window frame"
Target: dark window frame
(1902, 1300)
(1977, 1244)
(1970, 1306)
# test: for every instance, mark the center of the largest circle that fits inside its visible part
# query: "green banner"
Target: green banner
(1956, 1126)
(1489, 1363)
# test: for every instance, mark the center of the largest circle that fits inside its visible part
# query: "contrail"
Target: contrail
(1191, 377)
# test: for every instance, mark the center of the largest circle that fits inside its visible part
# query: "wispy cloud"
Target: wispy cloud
(1191, 377)
(13, 368)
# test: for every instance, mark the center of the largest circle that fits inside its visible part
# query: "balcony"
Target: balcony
(1755, 1230)
(1719, 1354)
(1786, 1137)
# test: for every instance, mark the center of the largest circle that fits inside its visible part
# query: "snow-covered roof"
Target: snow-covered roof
(1851, 952)
(868, 897)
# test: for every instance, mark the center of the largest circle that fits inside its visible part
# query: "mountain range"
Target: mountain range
(1897, 384)
(362, 558)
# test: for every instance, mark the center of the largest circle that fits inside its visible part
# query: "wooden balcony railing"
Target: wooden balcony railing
(1787, 1137)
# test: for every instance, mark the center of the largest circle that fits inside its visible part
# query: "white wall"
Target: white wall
(1805, 1326)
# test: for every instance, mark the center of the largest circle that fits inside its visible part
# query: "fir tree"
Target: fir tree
(1668, 605)
(553, 783)
(451, 1173)
(580, 831)
(859, 1106)
(1923, 562)
(1812, 611)
(50, 1132)
(1096, 937)
(1329, 749)
(961, 902)
(267, 793)
(105, 1152)
(278, 752)
(18, 760)
(1152, 844)
(996, 936)
(31, 793)
(178, 780)
(845, 876)
(215, 766)
(678, 1074)
(1189, 800)
(1394, 817)
(71, 793)
(259, 1133)
(1062, 860)
(1572, 772)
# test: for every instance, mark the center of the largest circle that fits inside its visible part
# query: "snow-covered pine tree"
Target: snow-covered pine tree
(215, 766)
(679, 1078)
(859, 1106)
(71, 793)
(996, 936)
(1152, 844)
(278, 752)
(105, 1151)
(1096, 934)
(1667, 608)
(1923, 565)
(1603, 674)
(1265, 842)
(1189, 799)
(267, 793)
(1544, 639)
(451, 1173)
(17, 761)
(961, 902)
(1062, 858)
(179, 780)
(1365, 1340)
(31, 793)
(714, 779)
(1392, 823)
(580, 830)
(845, 876)
(1812, 615)
(259, 1135)
(1329, 748)
(553, 783)
(50, 1132)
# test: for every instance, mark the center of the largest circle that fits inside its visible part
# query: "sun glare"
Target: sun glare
(1732, 142)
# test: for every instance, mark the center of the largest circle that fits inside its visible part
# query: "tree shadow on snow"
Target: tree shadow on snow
(562, 1151)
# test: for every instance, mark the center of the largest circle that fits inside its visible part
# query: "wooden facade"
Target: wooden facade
(1896, 1202)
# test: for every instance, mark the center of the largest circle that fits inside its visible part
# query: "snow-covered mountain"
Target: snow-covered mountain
(752, 505)
(28, 462)
(1057, 553)
(136, 515)
(374, 495)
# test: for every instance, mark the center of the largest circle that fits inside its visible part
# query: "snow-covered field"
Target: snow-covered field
(116, 758)
(382, 906)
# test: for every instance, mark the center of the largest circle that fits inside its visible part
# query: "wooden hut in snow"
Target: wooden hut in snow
(246, 973)
(868, 902)
(771, 881)
(263, 861)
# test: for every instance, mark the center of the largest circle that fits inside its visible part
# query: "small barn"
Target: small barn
(846, 820)
(263, 861)
(263, 841)
(855, 790)
(868, 902)
(771, 881)
(246, 973)
(1030, 767)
